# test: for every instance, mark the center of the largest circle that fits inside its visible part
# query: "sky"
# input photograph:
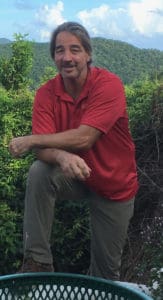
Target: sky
(137, 22)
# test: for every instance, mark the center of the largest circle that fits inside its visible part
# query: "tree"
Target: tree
(14, 71)
(49, 73)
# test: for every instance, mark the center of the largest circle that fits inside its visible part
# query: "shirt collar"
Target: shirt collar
(59, 88)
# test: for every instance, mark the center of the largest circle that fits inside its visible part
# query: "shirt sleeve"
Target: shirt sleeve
(43, 116)
(106, 103)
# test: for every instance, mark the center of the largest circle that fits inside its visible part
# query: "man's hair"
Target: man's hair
(76, 29)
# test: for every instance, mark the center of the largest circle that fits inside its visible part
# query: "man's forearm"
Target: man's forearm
(49, 155)
(72, 165)
(70, 140)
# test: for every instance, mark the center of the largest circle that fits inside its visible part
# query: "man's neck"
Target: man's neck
(73, 87)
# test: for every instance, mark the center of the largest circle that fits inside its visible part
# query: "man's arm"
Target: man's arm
(51, 149)
(72, 165)
(73, 140)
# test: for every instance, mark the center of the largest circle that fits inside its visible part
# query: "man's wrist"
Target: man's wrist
(58, 155)
(32, 140)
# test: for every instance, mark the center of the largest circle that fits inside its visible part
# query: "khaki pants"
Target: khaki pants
(109, 220)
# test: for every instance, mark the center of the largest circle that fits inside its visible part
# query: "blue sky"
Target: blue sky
(138, 22)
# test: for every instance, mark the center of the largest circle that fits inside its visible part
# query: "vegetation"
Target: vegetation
(9, 236)
(142, 256)
(127, 61)
(15, 69)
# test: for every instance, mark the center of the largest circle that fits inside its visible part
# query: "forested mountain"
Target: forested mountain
(125, 60)
(4, 41)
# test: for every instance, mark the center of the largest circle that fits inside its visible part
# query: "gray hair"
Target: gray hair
(76, 29)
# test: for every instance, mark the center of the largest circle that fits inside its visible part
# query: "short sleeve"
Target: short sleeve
(43, 116)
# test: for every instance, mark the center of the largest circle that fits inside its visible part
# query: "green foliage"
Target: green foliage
(15, 108)
(41, 61)
(14, 70)
(49, 73)
(9, 238)
(127, 61)
(15, 120)
(141, 100)
(70, 238)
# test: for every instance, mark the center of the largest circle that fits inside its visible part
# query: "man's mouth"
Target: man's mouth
(68, 66)
(68, 69)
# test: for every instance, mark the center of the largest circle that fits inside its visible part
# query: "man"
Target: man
(83, 147)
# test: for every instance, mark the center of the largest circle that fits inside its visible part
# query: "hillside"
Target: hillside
(125, 60)
(4, 41)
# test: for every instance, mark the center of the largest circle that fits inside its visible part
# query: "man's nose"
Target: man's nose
(67, 56)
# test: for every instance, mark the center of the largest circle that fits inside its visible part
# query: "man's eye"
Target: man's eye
(75, 50)
(58, 50)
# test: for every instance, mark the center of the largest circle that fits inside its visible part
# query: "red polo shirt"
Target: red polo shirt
(101, 105)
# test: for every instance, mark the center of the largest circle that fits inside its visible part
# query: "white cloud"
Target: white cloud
(44, 35)
(139, 22)
(103, 21)
(48, 17)
(147, 16)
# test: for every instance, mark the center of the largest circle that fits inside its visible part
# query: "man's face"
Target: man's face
(70, 57)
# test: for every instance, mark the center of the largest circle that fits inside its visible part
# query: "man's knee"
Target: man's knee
(38, 172)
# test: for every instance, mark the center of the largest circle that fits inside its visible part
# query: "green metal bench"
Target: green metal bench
(64, 286)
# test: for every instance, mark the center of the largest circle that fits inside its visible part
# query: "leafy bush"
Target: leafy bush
(70, 237)
(9, 238)
(15, 120)
(141, 101)
(14, 71)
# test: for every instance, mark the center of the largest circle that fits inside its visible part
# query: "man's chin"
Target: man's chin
(69, 75)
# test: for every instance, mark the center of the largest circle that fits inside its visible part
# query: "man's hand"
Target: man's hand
(20, 145)
(73, 165)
